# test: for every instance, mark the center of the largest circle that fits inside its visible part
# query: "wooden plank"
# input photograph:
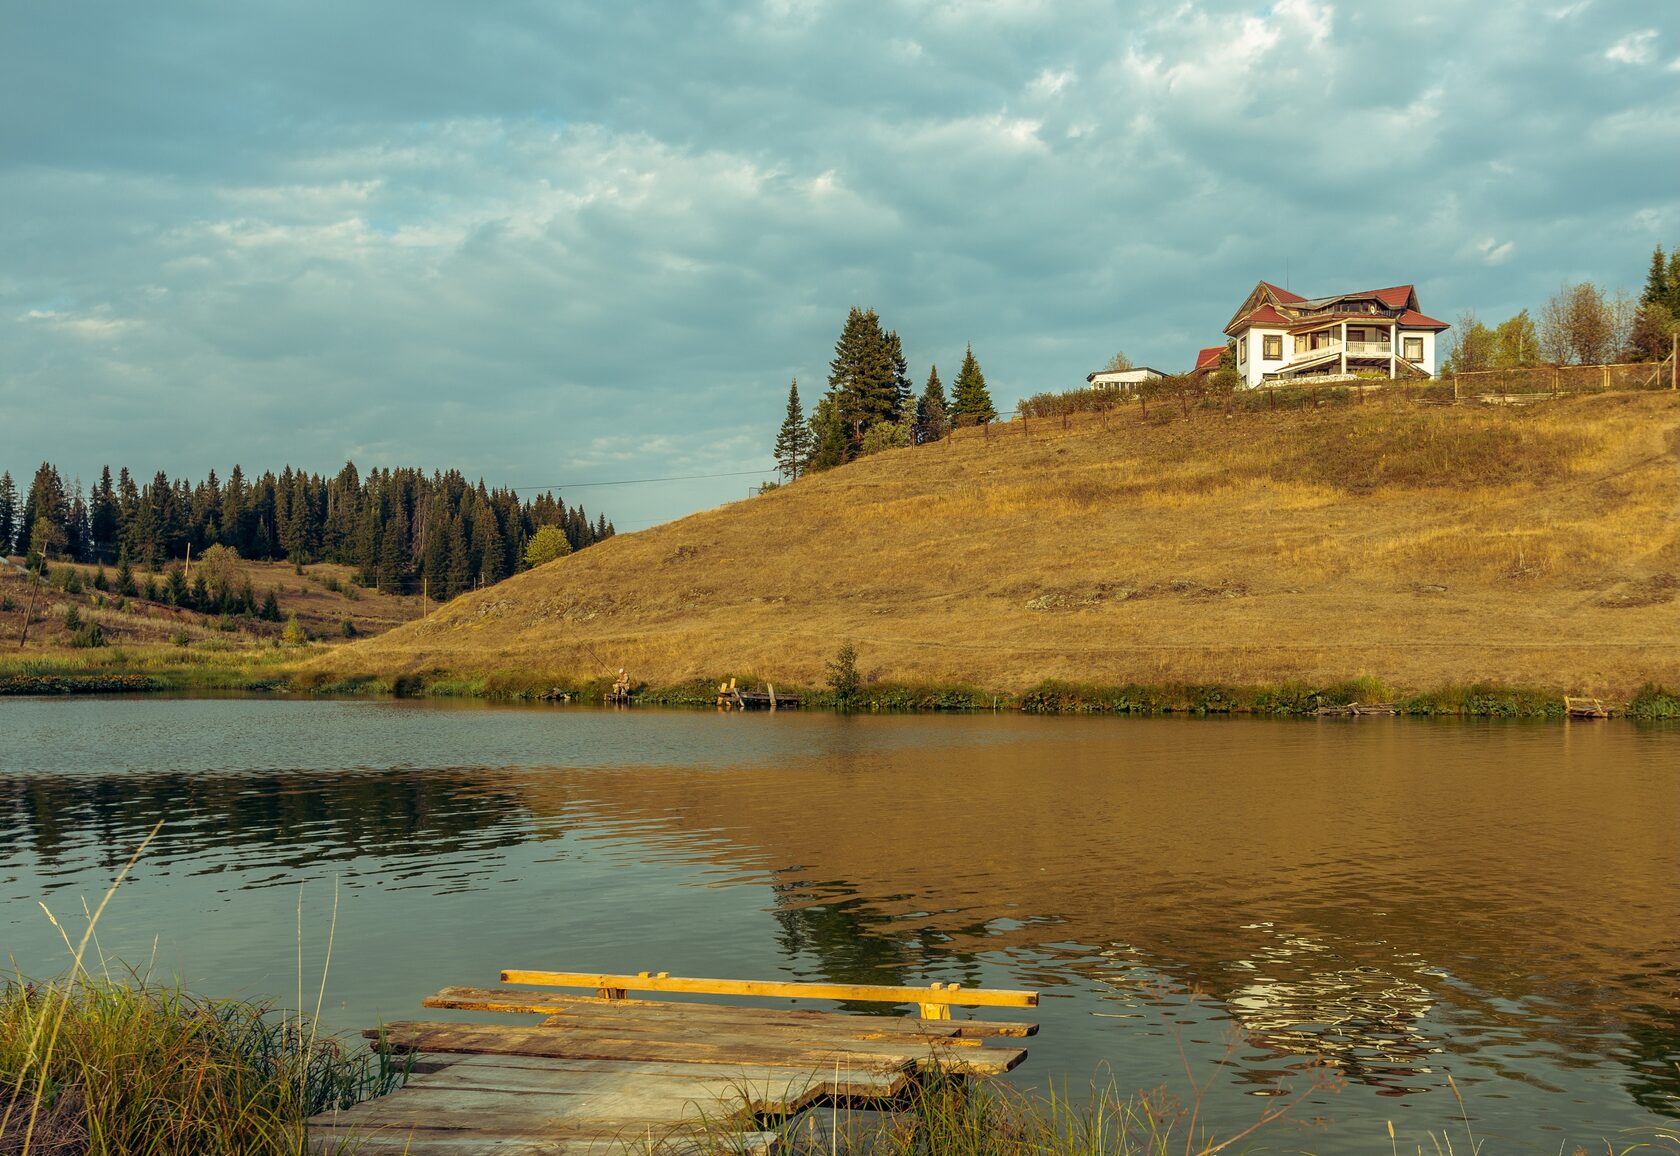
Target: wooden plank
(541, 1072)
(660, 1026)
(547, 1003)
(734, 1049)
(935, 994)
(330, 1139)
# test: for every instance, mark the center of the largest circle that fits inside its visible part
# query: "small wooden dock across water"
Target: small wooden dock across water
(607, 1073)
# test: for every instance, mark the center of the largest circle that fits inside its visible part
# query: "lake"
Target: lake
(1253, 905)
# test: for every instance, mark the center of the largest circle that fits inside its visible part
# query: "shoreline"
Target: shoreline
(45, 678)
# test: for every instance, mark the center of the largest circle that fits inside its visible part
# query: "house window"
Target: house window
(1272, 347)
(1242, 351)
(1412, 348)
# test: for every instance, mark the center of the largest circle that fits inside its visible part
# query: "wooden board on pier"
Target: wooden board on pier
(580, 1074)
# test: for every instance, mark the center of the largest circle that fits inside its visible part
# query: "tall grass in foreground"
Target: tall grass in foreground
(946, 1115)
(141, 1069)
(119, 1066)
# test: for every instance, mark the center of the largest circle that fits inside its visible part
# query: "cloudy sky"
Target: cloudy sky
(575, 242)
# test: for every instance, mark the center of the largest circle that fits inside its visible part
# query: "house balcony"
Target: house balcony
(1336, 347)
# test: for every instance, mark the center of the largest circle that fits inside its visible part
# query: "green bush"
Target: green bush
(88, 637)
(843, 676)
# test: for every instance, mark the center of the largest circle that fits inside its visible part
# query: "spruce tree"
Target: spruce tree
(8, 513)
(1674, 281)
(970, 402)
(125, 576)
(458, 577)
(862, 377)
(1656, 280)
(931, 410)
(829, 447)
(793, 442)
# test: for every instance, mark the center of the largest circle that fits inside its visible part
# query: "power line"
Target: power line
(645, 481)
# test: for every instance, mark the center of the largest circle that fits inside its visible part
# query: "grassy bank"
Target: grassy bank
(100, 1066)
(263, 670)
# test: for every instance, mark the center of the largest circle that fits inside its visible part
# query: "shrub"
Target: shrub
(348, 629)
(843, 676)
(180, 637)
(72, 619)
(6, 604)
(294, 634)
(88, 637)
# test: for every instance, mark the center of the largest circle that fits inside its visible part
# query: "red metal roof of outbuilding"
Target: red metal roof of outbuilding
(1209, 358)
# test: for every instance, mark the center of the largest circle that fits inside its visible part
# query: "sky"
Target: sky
(564, 243)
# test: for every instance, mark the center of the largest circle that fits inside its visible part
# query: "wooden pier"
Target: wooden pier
(732, 697)
(1584, 707)
(607, 1073)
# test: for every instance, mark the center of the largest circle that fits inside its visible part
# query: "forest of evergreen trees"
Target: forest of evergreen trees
(402, 529)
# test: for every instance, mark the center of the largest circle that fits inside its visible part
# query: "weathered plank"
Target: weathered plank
(735, 1048)
(951, 995)
(524, 1001)
(328, 1138)
(542, 1073)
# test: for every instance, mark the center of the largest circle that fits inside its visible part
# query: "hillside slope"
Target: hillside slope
(1424, 546)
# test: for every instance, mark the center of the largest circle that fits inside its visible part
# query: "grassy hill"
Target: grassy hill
(148, 643)
(1422, 546)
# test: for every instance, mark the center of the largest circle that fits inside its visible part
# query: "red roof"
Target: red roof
(1265, 315)
(1209, 358)
(1282, 294)
(1395, 296)
(1412, 319)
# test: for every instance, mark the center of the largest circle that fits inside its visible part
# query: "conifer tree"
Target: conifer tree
(270, 611)
(862, 377)
(903, 387)
(8, 513)
(931, 420)
(793, 442)
(1656, 280)
(828, 435)
(125, 576)
(1674, 281)
(458, 577)
(970, 401)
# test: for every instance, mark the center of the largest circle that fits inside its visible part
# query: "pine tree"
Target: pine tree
(932, 421)
(829, 447)
(459, 574)
(970, 402)
(8, 513)
(903, 388)
(793, 442)
(125, 576)
(102, 520)
(1674, 281)
(1656, 280)
(862, 377)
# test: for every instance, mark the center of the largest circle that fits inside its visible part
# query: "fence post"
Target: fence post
(1606, 372)
(1023, 423)
(1455, 385)
(1674, 362)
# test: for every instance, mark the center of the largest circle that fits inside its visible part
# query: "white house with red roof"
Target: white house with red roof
(1282, 336)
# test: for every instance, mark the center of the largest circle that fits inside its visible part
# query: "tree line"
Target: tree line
(402, 529)
(871, 403)
(1580, 324)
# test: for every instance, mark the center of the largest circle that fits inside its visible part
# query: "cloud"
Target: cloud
(546, 243)
(1634, 48)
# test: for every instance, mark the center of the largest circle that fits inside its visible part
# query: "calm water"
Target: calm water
(1403, 900)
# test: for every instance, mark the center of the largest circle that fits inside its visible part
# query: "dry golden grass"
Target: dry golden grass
(1419, 545)
(140, 623)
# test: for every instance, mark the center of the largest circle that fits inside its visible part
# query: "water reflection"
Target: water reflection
(1403, 900)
